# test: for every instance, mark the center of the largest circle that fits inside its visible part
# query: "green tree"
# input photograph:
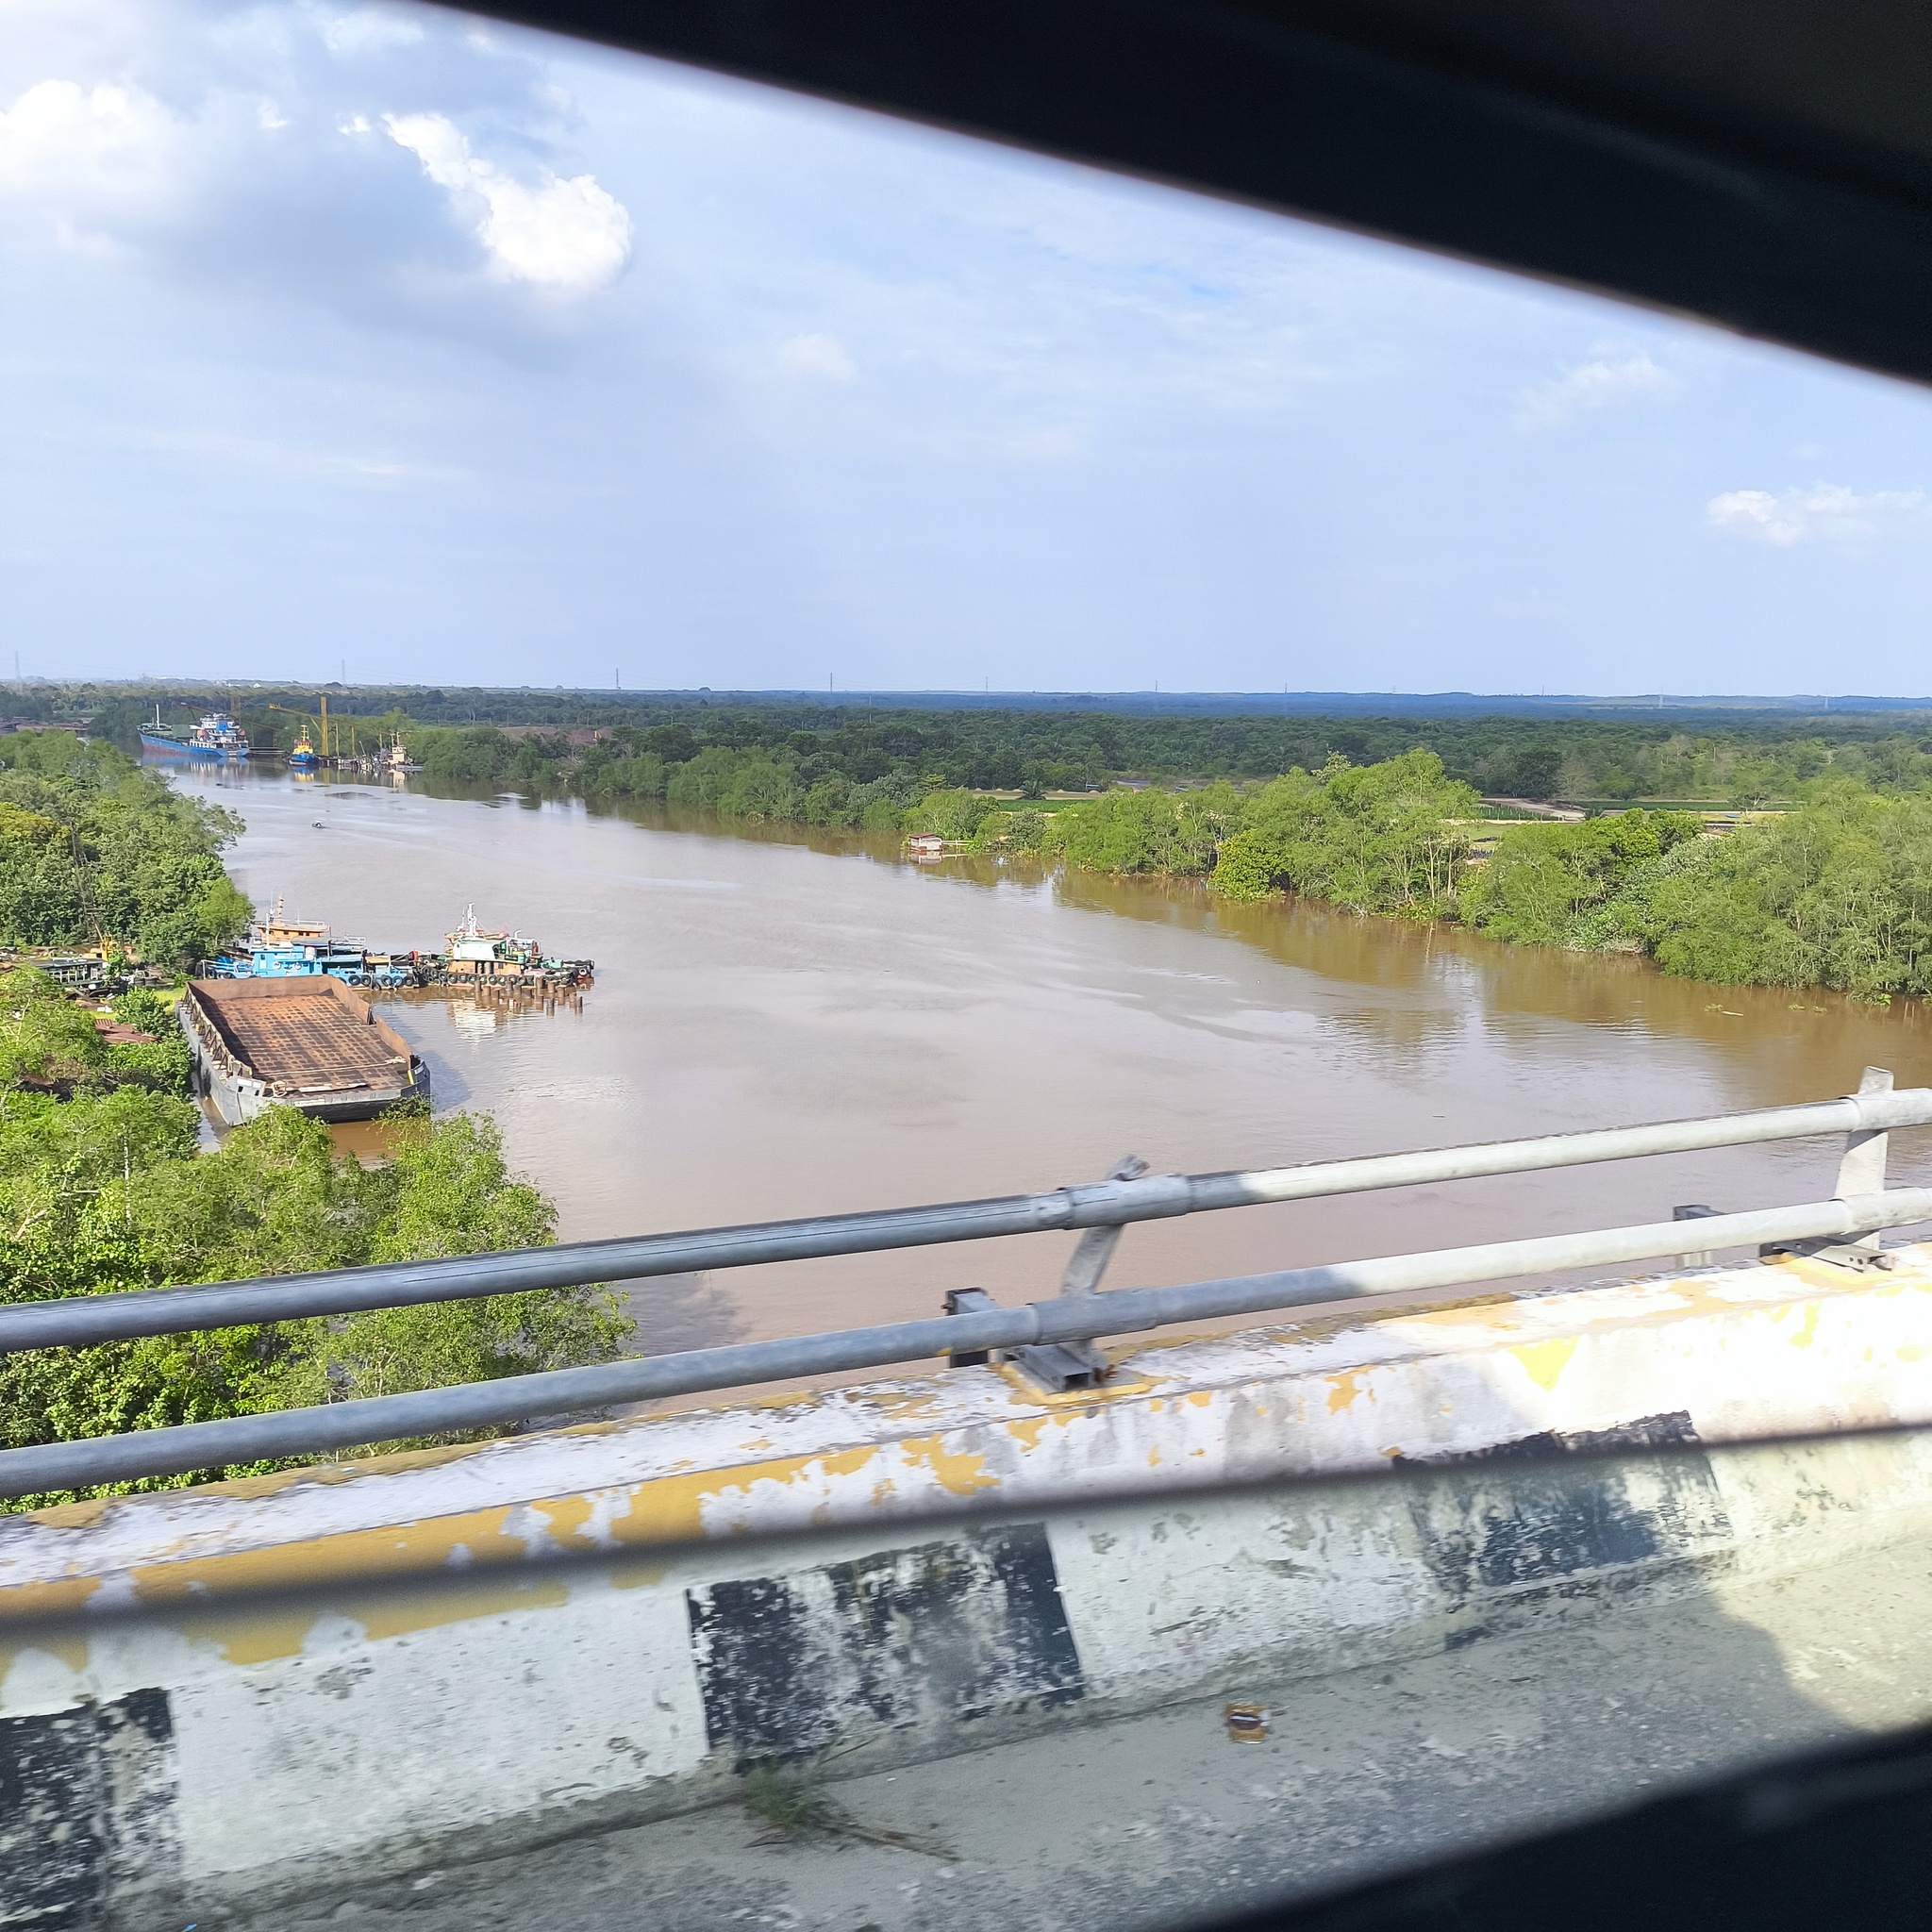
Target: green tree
(106, 1192)
(45, 1040)
(1381, 838)
(1541, 878)
(92, 846)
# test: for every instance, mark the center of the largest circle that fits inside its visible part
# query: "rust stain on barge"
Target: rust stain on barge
(306, 1042)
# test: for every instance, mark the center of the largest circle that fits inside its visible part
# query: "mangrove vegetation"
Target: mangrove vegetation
(1831, 888)
(95, 851)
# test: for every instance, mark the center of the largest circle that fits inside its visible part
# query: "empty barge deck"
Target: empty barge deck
(308, 1043)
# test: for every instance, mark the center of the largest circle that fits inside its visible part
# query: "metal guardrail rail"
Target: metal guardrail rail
(1051, 1338)
(1113, 1203)
(1064, 1318)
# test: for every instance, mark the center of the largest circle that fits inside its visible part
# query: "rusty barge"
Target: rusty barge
(307, 1042)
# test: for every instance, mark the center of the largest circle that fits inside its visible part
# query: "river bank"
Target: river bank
(1823, 893)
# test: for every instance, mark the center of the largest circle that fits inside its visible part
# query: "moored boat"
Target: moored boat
(158, 742)
(497, 955)
(218, 736)
(282, 948)
(308, 1043)
(482, 959)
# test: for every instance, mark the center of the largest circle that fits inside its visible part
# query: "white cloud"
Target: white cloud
(1825, 513)
(1603, 383)
(568, 235)
(817, 355)
(62, 142)
(368, 30)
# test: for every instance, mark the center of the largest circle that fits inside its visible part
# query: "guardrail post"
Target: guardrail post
(1695, 1210)
(1860, 1171)
(1059, 1366)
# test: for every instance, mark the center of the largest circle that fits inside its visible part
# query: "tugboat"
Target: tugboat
(282, 948)
(301, 755)
(158, 742)
(218, 736)
(493, 956)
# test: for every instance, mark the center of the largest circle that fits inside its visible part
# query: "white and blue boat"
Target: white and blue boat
(218, 736)
(280, 948)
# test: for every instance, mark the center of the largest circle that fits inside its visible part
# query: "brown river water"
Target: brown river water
(790, 1023)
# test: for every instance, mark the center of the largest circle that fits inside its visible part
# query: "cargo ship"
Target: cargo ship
(307, 1042)
(157, 742)
(217, 736)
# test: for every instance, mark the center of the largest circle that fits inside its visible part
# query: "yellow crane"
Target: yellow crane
(309, 718)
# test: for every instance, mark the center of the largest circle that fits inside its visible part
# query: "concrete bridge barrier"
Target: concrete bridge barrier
(218, 1696)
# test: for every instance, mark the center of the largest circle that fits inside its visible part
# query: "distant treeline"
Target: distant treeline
(807, 767)
(1834, 892)
(1740, 758)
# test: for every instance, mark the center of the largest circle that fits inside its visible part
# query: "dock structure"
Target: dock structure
(308, 1043)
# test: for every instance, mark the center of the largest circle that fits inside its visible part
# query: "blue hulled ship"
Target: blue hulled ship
(217, 736)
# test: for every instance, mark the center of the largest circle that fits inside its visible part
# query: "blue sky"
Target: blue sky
(380, 337)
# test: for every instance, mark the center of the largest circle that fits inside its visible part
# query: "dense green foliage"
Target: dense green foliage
(106, 1192)
(1389, 837)
(164, 1062)
(1835, 892)
(93, 848)
(1383, 837)
(1602, 753)
(1838, 894)
(1577, 885)
(50, 1044)
(1143, 831)
(829, 767)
